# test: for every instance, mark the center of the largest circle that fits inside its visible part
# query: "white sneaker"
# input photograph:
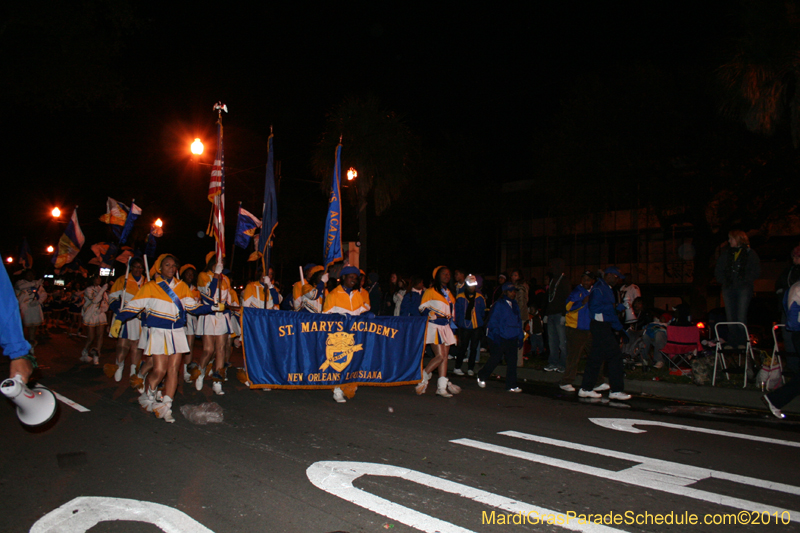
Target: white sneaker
(85, 357)
(95, 360)
(198, 383)
(589, 394)
(187, 377)
(567, 388)
(338, 395)
(441, 388)
(619, 396)
(481, 383)
(118, 373)
(133, 370)
(458, 372)
(515, 389)
(217, 388)
(470, 373)
(772, 409)
(602, 387)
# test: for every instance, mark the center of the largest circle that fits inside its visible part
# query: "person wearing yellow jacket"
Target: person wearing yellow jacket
(123, 290)
(345, 299)
(188, 276)
(438, 303)
(164, 300)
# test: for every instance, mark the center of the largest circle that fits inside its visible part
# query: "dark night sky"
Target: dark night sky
(489, 78)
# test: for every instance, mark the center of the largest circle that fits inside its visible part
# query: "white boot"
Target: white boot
(85, 356)
(198, 383)
(338, 395)
(217, 388)
(133, 370)
(452, 388)
(187, 377)
(163, 409)
(423, 385)
(147, 399)
(441, 388)
(118, 373)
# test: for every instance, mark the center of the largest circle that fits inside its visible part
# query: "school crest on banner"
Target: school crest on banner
(285, 349)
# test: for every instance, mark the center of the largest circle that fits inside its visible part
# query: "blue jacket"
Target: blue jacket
(11, 339)
(603, 305)
(474, 321)
(504, 321)
(791, 304)
(410, 304)
(577, 313)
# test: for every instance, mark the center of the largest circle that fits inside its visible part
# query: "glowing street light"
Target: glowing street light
(159, 223)
(9, 259)
(197, 147)
(56, 212)
(352, 174)
(50, 249)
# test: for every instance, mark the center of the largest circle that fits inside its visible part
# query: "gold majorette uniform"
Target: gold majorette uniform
(214, 323)
(131, 329)
(258, 296)
(163, 319)
(339, 301)
(439, 308)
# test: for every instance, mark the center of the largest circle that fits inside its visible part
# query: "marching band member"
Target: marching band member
(188, 276)
(345, 299)
(215, 327)
(438, 302)
(311, 300)
(125, 288)
(260, 293)
(301, 287)
(165, 300)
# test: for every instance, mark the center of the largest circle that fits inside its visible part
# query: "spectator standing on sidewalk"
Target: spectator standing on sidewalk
(504, 331)
(628, 292)
(579, 338)
(605, 346)
(557, 293)
(737, 269)
(498, 291)
(521, 291)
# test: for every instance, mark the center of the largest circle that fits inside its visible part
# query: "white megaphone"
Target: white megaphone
(34, 407)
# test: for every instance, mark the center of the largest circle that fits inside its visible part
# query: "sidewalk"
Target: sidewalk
(706, 394)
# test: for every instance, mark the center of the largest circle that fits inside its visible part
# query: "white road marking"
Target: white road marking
(82, 514)
(665, 476)
(625, 424)
(336, 477)
(76, 406)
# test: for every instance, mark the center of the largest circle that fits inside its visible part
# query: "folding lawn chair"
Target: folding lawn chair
(720, 352)
(778, 354)
(681, 340)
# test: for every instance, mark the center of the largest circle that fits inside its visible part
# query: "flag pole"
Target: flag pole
(233, 248)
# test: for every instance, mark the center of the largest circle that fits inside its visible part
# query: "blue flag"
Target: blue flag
(269, 218)
(333, 224)
(70, 242)
(284, 349)
(246, 226)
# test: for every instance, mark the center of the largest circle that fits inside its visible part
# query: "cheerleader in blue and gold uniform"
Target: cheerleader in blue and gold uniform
(165, 301)
(439, 304)
(124, 290)
(215, 327)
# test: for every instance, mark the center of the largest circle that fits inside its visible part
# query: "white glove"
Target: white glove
(218, 308)
(218, 268)
(266, 282)
(544, 320)
(563, 320)
(324, 278)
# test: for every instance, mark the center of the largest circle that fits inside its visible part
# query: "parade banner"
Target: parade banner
(285, 349)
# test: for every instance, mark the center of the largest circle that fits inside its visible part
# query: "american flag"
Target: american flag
(216, 195)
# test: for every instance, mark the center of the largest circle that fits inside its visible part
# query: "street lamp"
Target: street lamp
(9, 259)
(50, 249)
(197, 147)
(352, 174)
(56, 212)
(159, 223)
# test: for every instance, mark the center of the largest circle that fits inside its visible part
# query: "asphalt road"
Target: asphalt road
(386, 460)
